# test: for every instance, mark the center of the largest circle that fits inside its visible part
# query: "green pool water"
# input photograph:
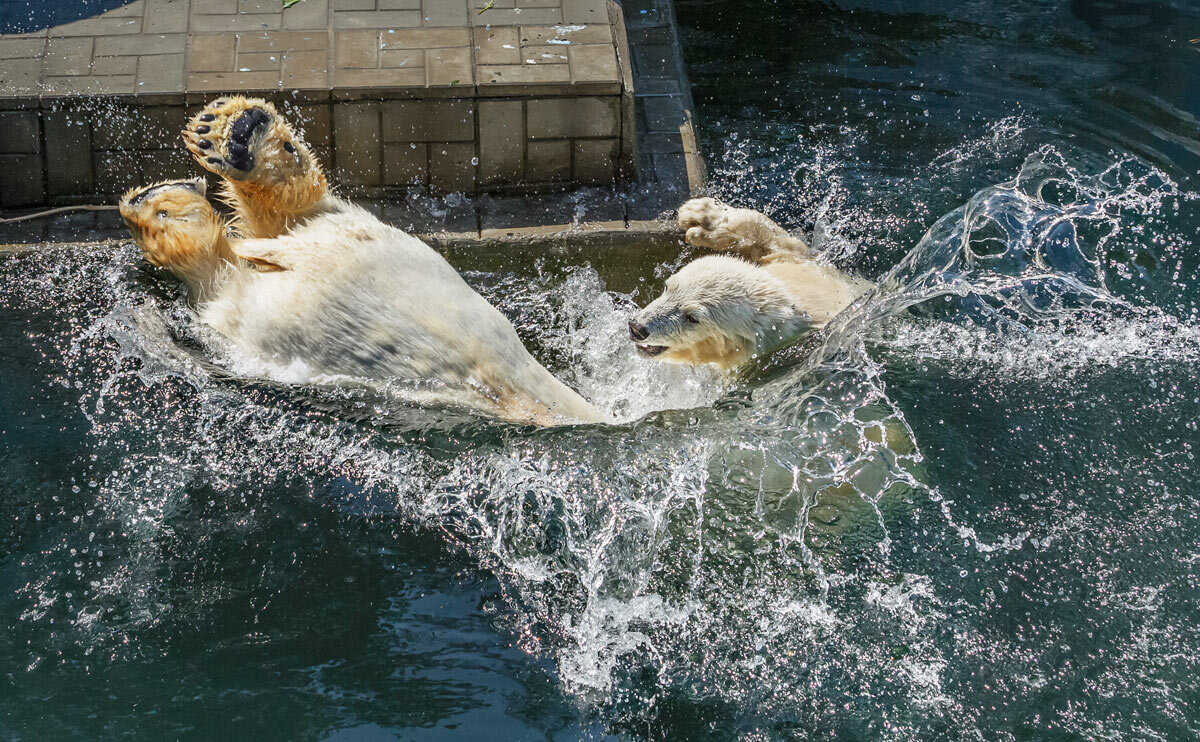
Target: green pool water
(967, 510)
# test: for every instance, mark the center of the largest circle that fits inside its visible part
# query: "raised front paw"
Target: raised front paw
(245, 139)
(703, 221)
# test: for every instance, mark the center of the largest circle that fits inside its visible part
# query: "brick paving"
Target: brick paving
(503, 97)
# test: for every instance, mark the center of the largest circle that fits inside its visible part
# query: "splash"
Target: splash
(726, 540)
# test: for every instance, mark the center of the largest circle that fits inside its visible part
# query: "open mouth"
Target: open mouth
(650, 350)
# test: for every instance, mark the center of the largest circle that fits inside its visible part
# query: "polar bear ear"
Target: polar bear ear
(263, 255)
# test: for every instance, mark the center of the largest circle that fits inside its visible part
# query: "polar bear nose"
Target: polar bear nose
(638, 332)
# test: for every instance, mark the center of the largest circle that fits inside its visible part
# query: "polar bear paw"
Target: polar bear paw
(705, 223)
(710, 224)
(245, 139)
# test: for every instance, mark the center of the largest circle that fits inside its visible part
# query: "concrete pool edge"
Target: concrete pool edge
(53, 156)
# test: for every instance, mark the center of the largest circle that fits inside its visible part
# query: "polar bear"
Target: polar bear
(724, 310)
(303, 279)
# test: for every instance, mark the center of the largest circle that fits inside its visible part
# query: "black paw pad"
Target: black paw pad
(239, 137)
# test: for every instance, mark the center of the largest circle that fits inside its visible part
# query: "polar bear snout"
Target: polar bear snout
(638, 331)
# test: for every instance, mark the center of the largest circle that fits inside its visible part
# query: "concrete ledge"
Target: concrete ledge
(525, 148)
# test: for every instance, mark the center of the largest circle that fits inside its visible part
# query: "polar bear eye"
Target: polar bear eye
(162, 215)
(691, 318)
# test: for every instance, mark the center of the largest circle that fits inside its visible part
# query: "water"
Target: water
(966, 511)
(25, 16)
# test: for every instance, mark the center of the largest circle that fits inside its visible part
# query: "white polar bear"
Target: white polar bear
(724, 310)
(312, 281)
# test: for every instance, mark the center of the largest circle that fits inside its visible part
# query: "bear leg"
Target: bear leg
(271, 178)
(711, 224)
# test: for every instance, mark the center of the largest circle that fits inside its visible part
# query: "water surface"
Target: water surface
(966, 511)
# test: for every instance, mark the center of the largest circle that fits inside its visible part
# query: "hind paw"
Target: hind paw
(245, 139)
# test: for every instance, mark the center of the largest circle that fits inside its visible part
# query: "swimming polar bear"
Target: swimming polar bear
(312, 281)
(724, 310)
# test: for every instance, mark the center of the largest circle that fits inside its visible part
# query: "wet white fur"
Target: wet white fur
(742, 308)
(360, 298)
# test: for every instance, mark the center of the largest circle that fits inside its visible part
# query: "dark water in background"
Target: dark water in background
(188, 552)
(26, 16)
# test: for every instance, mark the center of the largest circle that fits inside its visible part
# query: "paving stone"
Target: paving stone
(501, 141)
(594, 63)
(222, 82)
(273, 41)
(211, 53)
(452, 167)
(88, 85)
(159, 126)
(115, 46)
(130, 10)
(448, 66)
(69, 56)
(515, 76)
(516, 16)
(398, 4)
(663, 113)
(356, 49)
(116, 171)
(594, 161)
(20, 76)
(424, 38)
(587, 34)
(14, 48)
(305, 69)
(556, 118)
(313, 121)
(411, 58)
(21, 180)
(443, 12)
(548, 161)
(429, 121)
(159, 73)
(354, 4)
(309, 14)
(357, 143)
(406, 163)
(377, 19)
(257, 61)
(498, 45)
(68, 154)
(247, 22)
(19, 133)
(655, 61)
(585, 11)
(116, 66)
(662, 142)
(362, 81)
(119, 128)
(166, 16)
(258, 6)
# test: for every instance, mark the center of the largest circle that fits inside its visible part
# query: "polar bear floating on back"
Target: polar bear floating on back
(317, 281)
(302, 278)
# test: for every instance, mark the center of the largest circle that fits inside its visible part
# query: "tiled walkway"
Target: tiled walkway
(495, 96)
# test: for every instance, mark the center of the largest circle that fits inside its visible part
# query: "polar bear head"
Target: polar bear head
(718, 310)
